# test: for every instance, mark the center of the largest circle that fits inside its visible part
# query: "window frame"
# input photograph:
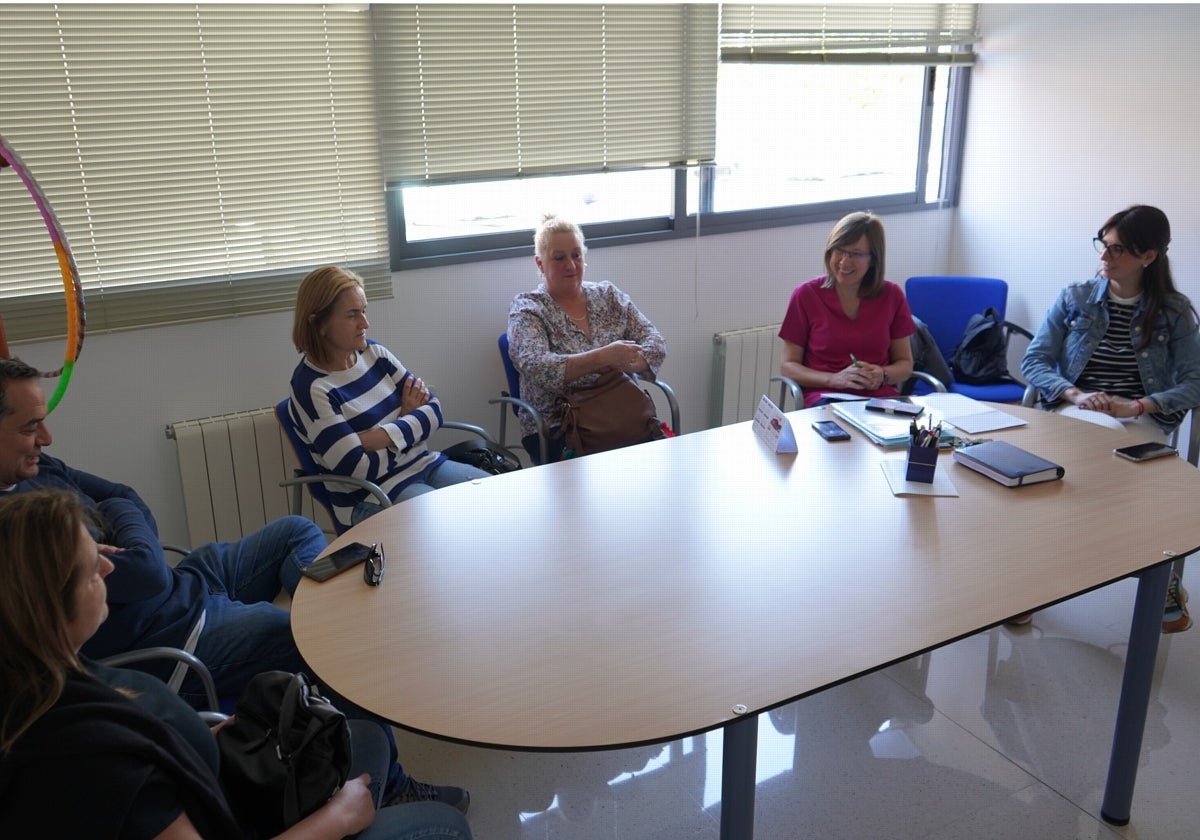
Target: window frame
(484, 247)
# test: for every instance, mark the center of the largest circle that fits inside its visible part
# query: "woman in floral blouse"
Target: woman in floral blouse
(565, 332)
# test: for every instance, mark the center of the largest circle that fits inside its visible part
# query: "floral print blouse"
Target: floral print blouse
(541, 336)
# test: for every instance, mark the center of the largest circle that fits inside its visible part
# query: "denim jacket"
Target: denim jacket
(1169, 364)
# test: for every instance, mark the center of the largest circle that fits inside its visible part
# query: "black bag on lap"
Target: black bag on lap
(285, 754)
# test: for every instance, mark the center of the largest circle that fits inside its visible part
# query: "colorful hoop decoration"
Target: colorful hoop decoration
(73, 291)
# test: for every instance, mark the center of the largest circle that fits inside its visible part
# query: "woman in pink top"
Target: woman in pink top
(848, 332)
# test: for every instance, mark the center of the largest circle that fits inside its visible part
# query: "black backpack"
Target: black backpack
(981, 357)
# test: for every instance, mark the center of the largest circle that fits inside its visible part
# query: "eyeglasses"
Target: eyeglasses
(857, 256)
(373, 566)
(1116, 249)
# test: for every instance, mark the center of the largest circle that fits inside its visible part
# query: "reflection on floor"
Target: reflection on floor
(1002, 735)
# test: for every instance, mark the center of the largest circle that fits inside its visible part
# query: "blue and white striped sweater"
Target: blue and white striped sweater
(331, 408)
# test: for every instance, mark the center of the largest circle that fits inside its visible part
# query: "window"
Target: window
(816, 110)
(201, 159)
(492, 114)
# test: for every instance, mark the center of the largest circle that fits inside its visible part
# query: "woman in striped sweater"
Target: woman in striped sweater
(361, 412)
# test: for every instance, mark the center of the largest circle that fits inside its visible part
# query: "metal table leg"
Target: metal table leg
(737, 779)
(1144, 633)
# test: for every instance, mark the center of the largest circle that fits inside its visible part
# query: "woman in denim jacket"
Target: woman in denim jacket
(1124, 345)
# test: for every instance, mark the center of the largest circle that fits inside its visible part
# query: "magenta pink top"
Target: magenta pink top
(816, 321)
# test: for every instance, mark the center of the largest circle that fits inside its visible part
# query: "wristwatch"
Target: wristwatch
(887, 380)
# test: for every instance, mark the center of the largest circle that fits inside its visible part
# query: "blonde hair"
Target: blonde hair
(39, 547)
(315, 298)
(551, 224)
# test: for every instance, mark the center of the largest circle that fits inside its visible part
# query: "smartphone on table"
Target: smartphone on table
(346, 557)
(830, 430)
(1144, 451)
(900, 407)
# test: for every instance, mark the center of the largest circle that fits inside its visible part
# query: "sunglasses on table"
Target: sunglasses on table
(373, 566)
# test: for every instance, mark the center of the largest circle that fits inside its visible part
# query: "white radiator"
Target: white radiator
(230, 466)
(743, 363)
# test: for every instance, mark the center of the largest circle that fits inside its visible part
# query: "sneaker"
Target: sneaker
(1020, 620)
(414, 791)
(1175, 611)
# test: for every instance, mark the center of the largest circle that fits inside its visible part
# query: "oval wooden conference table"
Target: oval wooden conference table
(667, 589)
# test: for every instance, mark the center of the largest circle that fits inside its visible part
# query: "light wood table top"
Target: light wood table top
(641, 595)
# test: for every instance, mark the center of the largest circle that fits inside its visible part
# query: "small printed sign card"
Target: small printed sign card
(773, 427)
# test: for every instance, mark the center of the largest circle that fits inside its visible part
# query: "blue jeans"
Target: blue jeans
(443, 475)
(244, 633)
(369, 754)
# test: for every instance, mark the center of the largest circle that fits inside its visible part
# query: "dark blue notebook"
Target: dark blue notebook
(1010, 465)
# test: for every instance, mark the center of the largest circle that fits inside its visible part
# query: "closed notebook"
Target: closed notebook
(1010, 465)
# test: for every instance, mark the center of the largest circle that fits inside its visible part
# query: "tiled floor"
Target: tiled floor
(1002, 735)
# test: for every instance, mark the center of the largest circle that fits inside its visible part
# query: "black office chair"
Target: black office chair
(512, 399)
(946, 304)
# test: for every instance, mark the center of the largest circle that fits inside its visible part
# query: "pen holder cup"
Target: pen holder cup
(922, 463)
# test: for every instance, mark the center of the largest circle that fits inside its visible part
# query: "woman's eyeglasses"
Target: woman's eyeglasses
(373, 566)
(1115, 249)
(857, 256)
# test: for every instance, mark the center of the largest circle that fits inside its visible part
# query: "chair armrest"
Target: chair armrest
(478, 431)
(347, 480)
(788, 385)
(1030, 398)
(671, 400)
(930, 380)
(539, 422)
(1010, 327)
(210, 688)
(176, 549)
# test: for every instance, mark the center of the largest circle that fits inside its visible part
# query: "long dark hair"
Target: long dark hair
(39, 543)
(1143, 228)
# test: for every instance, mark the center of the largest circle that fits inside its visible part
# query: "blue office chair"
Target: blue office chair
(945, 304)
(512, 398)
(311, 475)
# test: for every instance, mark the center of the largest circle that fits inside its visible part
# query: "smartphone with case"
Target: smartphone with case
(344, 558)
(830, 430)
(1144, 451)
(894, 407)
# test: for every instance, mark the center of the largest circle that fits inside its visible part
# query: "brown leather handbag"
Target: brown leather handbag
(611, 413)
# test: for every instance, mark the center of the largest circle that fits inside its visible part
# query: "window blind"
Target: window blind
(483, 91)
(850, 33)
(201, 159)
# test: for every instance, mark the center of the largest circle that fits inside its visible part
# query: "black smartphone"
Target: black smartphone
(894, 407)
(830, 430)
(346, 557)
(1144, 451)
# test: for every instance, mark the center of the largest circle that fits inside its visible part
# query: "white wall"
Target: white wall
(1077, 111)
(443, 324)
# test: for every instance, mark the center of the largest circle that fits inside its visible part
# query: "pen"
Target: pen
(855, 361)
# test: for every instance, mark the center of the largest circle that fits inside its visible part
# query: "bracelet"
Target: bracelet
(1141, 408)
(887, 380)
